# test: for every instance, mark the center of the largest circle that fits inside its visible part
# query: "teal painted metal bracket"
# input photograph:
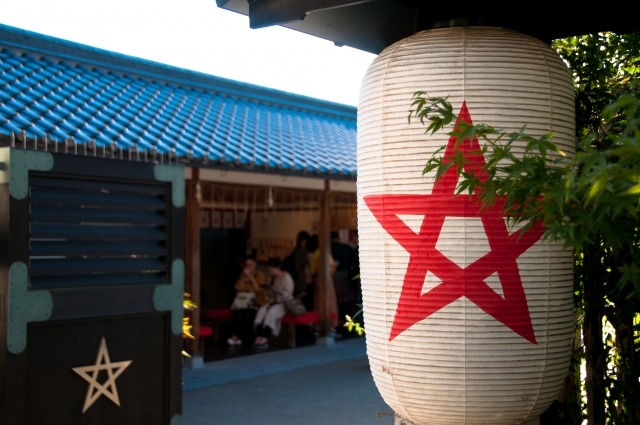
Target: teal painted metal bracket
(15, 165)
(175, 175)
(24, 307)
(170, 297)
(176, 420)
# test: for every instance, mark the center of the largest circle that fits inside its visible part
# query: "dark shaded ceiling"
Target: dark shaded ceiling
(372, 25)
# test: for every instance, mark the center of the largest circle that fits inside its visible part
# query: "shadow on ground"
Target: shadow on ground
(337, 393)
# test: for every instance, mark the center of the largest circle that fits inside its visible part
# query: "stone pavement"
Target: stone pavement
(328, 385)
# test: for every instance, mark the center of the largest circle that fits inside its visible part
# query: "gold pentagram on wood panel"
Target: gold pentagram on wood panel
(90, 374)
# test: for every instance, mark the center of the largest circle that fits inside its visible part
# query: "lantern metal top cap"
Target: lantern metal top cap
(373, 25)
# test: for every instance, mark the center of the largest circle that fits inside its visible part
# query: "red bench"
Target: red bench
(205, 331)
(220, 314)
(217, 316)
(224, 314)
(292, 321)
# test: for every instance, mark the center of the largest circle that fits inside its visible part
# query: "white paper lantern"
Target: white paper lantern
(467, 322)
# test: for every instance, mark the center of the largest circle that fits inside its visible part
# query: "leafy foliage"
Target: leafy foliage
(354, 326)
(604, 65)
(188, 305)
(604, 68)
(596, 192)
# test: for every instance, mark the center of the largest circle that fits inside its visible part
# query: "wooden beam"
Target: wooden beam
(192, 247)
(265, 13)
(324, 270)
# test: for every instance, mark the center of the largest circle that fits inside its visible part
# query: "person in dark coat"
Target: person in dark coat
(342, 254)
(301, 262)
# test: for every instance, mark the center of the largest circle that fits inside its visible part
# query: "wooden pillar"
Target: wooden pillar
(192, 246)
(324, 263)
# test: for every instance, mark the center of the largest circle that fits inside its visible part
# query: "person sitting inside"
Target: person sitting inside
(249, 297)
(269, 317)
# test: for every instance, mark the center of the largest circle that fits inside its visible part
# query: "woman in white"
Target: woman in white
(269, 316)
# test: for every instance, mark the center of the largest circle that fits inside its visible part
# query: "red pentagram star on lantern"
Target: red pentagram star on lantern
(512, 310)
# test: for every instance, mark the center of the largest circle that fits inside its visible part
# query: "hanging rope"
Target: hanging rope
(235, 207)
(255, 200)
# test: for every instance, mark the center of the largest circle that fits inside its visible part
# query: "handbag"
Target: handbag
(269, 295)
(244, 301)
(295, 307)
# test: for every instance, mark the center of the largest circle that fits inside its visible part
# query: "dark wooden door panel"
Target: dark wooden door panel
(57, 394)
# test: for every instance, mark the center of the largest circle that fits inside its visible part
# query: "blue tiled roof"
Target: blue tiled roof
(65, 90)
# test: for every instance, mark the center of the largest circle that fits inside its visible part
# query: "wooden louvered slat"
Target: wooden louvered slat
(95, 199)
(153, 190)
(96, 233)
(52, 214)
(93, 249)
(73, 281)
(87, 266)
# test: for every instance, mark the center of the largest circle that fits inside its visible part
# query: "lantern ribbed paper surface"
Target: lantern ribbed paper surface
(468, 321)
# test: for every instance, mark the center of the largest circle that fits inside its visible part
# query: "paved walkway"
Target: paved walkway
(315, 385)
